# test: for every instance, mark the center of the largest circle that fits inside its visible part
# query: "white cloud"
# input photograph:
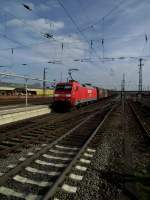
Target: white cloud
(14, 22)
(37, 24)
(43, 7)
(120, 29)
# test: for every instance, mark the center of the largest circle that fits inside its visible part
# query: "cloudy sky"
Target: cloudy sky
(101, 38)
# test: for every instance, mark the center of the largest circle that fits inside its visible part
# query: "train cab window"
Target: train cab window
(63, 87)
(68, 87)
(59, 87)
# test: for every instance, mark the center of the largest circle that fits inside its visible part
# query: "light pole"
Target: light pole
(26, 88)
(26, 78)
(44, 78)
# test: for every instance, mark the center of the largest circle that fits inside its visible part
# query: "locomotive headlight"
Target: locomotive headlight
(68, 95)
(56, 95)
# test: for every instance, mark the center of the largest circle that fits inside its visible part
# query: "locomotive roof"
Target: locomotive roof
(76, 83)
(83, 85)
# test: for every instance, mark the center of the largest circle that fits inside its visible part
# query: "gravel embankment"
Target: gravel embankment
(120, 164)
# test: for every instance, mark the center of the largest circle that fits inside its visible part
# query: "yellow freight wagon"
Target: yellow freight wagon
(40, 92)
(11, 91)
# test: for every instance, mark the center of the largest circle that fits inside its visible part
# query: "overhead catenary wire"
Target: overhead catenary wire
(86, 41)
(56, 61)
(65, 42)
(103, 54)
(103, 38)
(101, 19)
(60, 42)
(146, 45)
(74, 22)
(43, 42)
(21, 20)
(115, 7)
(26, 24)
(12, 40)
(24, 77)
(40, 43)
(83, 10)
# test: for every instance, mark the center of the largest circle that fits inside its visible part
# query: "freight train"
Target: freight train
(73, 94)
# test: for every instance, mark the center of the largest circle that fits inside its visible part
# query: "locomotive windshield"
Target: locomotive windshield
(63, 87)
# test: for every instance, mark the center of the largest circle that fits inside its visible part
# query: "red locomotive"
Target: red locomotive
(73, 94)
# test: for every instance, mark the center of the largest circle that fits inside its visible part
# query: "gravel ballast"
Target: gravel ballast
(121, 157)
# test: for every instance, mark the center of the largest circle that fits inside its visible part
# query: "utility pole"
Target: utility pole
(44, 78)
(123, 82)
(140, 75)
(61, 77)
(26, 89)
(123, 85)
(123, 91)
(102, 41)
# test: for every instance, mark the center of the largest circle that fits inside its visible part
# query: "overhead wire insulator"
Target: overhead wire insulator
(102, 42)
(91, 44)
(47, 35)
(12, 51)
(62, 46)
(146, 38)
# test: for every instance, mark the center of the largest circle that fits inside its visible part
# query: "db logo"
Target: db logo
(89, 91)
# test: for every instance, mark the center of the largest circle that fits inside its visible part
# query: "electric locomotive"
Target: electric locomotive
(72, 94)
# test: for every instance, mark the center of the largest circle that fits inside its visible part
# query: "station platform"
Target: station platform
(11, 107)
(9, 114)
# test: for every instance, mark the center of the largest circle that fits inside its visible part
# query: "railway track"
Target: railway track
(40, 119)
(119, 169)
(38, 174)
(21, 100)
(142, 115)
(28, 133)
(40, 130)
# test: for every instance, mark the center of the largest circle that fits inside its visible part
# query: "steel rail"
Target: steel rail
(61, 178)
(6, 149)
(24, 77)
(140, 121)
(23, 164)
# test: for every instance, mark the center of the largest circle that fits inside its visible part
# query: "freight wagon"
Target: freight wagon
(41, 92)
(11, 91)
(7, 91)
